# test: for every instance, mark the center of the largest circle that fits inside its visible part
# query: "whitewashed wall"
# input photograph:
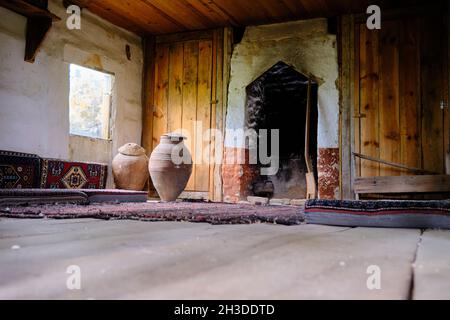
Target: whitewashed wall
(307, 47)
(34, 98)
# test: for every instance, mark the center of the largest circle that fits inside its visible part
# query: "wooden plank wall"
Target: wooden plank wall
(183, 97)
(190, 98)
(431, 58)
(185, 81)
(204, 110)
(161, 93)
(368, 108)
(409, 94)
(401, 82)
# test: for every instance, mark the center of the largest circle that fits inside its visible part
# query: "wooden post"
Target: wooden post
(346, 100)
(447, 155)
(311, 187)
(148, 79)
(37, 29)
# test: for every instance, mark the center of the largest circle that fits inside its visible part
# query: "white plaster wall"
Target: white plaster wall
(34, 98)
(307, 47)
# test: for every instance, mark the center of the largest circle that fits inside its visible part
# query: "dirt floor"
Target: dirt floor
(180, 260)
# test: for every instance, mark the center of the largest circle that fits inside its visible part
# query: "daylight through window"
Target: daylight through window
(90, 102)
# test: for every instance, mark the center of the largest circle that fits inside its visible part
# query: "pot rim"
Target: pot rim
(131, 149)
(175, 136)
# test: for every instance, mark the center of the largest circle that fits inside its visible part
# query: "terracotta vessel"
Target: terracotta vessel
(129, 167)
(170, 178)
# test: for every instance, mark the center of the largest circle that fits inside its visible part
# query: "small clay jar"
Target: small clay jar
(130, 167)
(169, 177)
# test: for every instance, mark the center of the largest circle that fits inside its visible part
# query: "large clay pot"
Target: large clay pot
(169, 178)
(129, 167)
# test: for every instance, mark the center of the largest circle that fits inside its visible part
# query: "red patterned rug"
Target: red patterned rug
(214, 213)
(59, 174)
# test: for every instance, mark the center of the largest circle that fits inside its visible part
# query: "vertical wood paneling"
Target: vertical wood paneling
(161, 93)
(204, 108)
(412, 81)
(190, 76)
(432, 115)
(186, 72)
(389, 124)
(409, 92)
(369, 104)
(175, 111)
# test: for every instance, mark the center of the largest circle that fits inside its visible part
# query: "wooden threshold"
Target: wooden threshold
(194, 195)
(403, 184)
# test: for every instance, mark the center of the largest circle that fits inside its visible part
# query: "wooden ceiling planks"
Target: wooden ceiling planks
(181, 13)
(116, 18)
(163, 17)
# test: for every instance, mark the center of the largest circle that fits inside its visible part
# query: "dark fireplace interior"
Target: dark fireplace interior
(278, 100)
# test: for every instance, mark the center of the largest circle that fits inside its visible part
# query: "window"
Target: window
(90, 102)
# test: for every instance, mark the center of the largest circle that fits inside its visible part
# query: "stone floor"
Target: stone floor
(172, 260)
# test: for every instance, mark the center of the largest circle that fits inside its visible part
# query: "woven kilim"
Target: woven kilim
(380, 213)
(19, 170)
(59, 174)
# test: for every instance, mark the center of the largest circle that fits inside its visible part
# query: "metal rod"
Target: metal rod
(393, 164)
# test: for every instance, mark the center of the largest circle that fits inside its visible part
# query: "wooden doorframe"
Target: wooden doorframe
(222, 49)
(346, 58)
(348, 97)
(447, 156)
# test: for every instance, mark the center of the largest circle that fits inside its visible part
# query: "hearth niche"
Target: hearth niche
(278, 100)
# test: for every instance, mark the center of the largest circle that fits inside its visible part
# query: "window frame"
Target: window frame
(111, 104)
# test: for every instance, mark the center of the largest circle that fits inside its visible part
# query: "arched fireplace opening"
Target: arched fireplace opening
(278, 100)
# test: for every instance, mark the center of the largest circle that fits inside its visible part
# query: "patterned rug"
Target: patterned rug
(214, 213)
(424, 214)
(59, 174)
(19, 170)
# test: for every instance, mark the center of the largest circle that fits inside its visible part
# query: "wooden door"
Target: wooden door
(185, 72)
(401, 112)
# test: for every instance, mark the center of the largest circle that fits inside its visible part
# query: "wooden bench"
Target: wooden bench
(402, 184)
